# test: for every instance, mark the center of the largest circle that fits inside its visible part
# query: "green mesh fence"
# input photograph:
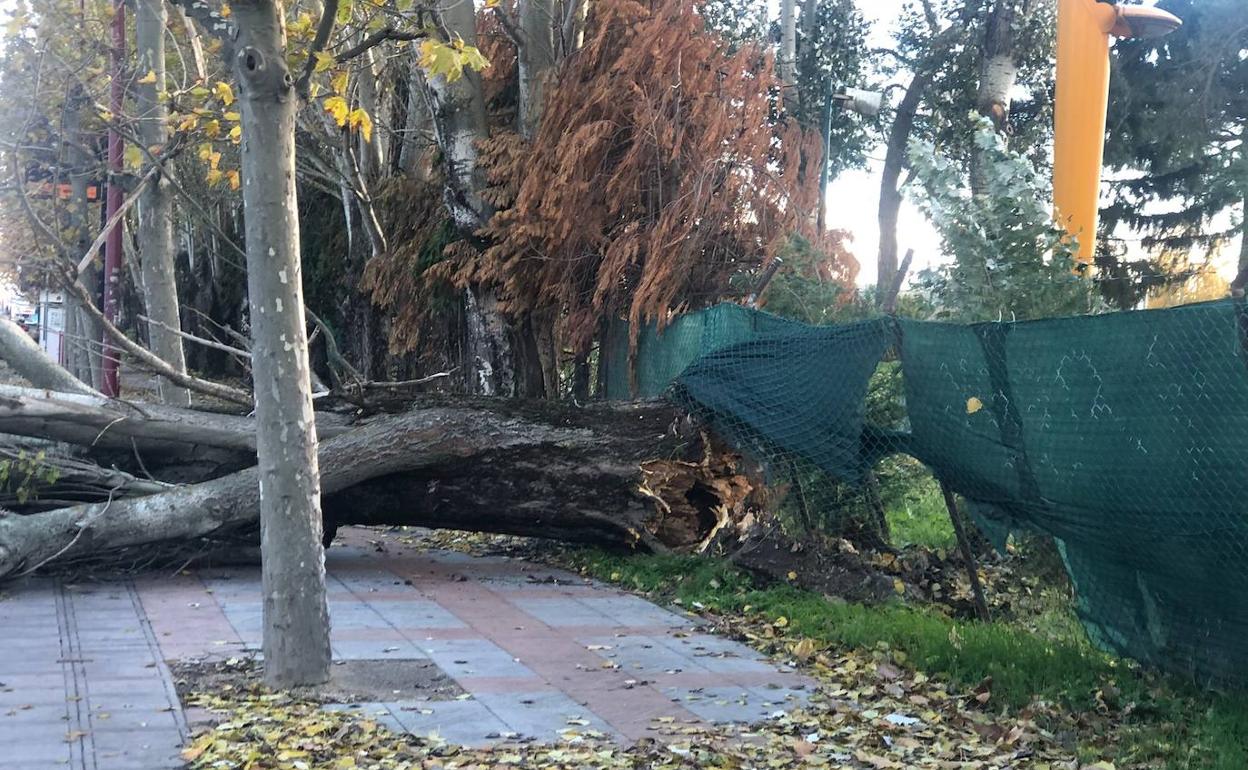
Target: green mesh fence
(1123, 436)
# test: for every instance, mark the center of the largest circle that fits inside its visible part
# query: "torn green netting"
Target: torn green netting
(1124, 436)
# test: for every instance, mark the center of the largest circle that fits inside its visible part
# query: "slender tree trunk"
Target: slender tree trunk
(536, 60)
(417, 124)
(998, 67)
(296, 619)
(371, 153)
(156, 251)
(890, 190)
(77, 333)
(998, 72)
(786, 59)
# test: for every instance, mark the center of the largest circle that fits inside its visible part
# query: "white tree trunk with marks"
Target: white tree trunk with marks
(786, 58)
(535, 61)
(296, 620)
(156, 246)
(459, 123)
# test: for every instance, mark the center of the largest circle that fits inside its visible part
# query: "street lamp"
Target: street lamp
(1084, 28)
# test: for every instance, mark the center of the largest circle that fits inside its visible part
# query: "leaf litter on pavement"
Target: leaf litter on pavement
(870, 712)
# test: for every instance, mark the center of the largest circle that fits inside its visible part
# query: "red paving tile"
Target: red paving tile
(482, 594)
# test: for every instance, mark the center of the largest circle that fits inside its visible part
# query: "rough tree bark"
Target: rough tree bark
(296, 618)
(156, 248)
(172, 443)
(566, 472)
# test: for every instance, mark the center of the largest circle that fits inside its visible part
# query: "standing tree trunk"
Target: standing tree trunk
(156, 252)
(459, 123)
(890, 190)
(417, 124)
(998, 72)
(77, 331)
(786, 59)
(536, 58)
(296, 618)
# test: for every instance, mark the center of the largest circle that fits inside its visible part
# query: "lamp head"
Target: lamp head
(1143, 22)
(868, 103)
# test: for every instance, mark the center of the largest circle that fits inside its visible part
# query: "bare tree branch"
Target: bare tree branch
(323, 30)
(144, 357)
(376, 39)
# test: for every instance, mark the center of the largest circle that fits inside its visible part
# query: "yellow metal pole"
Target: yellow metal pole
(1083, 28)
(1083, 31)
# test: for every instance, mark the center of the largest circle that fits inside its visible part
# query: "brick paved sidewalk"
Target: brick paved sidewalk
(540, 652)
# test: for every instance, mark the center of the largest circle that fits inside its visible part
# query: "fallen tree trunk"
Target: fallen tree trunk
(160, 435)
(623, 474)
(26, 358)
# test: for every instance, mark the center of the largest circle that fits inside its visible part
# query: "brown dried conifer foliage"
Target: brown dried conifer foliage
(659, 171)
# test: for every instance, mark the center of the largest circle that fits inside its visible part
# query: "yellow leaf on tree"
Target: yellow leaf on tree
(214, 176)
(189, 123)
(438, 58)
(224, 93)
(234, 116)
(150, 77)
(300, 26)
(212, 128)
(236, 134)
(232, 176)
(324, 61)
(134, 157)
(225, 10)
(339, 82)
(337, 106)
(360, 119)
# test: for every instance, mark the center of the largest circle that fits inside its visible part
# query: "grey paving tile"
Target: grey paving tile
(786, 698)
(415, 614)
(466, 722)
(30, 696)
(355, 615)
(31, 747)
(360, 649)
(47, 713)
(147, 748)
(473, 657)
(634, 611)
(723, 705)
(643, 655)
(543, 716)
(562, 611)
